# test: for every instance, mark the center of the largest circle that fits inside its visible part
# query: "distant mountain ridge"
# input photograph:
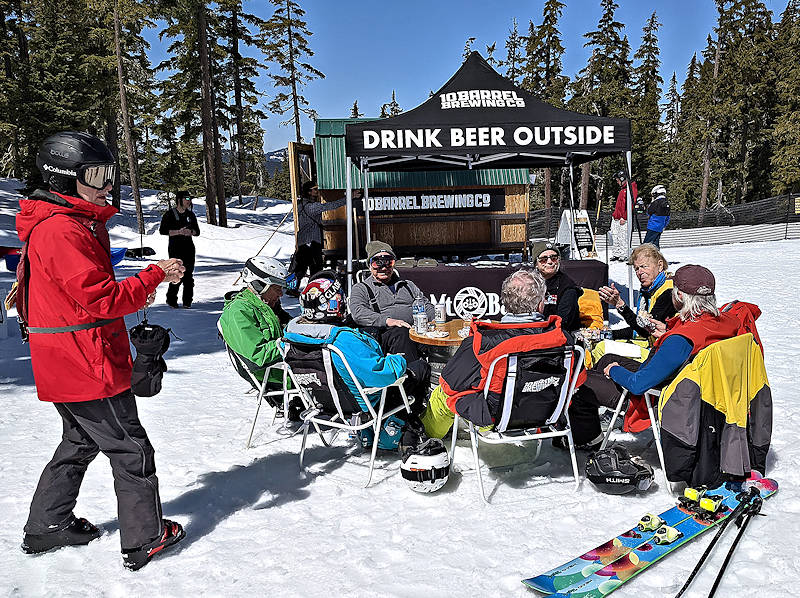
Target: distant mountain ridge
(272, 160)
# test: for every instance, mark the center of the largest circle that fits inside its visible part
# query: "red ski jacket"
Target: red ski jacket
(71, 282)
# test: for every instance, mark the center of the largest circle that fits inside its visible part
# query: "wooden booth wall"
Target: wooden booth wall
(419, 235)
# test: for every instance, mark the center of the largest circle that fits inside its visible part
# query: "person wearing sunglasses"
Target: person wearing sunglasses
(382, 305)
(181, 225)
(562, 294)
(80, 352)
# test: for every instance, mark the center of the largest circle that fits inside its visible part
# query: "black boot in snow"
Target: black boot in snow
(77, 533)
(136, 558)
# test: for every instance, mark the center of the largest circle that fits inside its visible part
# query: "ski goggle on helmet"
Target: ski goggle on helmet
(97, 176)
(324, 298)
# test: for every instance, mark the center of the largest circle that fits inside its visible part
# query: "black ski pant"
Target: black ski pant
(395, 339)
(307, 258)
(597, 391)
(112, 426)
(186, 254)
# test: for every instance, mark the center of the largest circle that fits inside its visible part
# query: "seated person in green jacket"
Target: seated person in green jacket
(250, 325)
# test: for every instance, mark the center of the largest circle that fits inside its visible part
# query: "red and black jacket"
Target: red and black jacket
(464, 378)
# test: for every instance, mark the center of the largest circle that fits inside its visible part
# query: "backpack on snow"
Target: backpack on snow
(151, 342)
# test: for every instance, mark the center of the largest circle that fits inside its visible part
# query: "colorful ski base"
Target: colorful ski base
(577, 569)
(605, 580)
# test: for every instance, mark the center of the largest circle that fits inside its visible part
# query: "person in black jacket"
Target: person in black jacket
(561, 298)
(180, 224)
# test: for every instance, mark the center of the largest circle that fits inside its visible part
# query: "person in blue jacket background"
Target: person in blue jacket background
(658, 215)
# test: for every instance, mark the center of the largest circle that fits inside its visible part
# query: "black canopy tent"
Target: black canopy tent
(480, 119)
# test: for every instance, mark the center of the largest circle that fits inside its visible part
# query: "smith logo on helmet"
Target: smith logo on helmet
(57, 170)
(618, 480)
(540, 385)
(55, 152)
(304, 379)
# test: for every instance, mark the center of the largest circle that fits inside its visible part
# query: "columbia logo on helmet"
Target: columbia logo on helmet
(57, 170)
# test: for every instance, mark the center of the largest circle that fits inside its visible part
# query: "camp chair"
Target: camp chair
(648, 397)
(512, 427)
(330, 402)
(245, 369)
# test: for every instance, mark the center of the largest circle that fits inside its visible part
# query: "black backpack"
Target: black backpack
(151, 342)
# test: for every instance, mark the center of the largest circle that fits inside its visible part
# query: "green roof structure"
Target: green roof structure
(329, 153)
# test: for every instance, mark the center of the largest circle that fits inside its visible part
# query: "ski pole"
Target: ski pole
(267, 241)
(743, 503)
(752, 509)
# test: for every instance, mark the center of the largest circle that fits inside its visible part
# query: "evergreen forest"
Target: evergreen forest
(725, 131)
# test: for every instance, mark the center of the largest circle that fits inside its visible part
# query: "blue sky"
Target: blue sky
(366, 48)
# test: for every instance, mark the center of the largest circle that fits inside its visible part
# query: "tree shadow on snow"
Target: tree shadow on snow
(267, 482)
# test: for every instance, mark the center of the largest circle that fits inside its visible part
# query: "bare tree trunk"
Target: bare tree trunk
(219, 173)
(237, 99)
(707, 149)
(111, 135)
(293, 74)
(585, 171)
(126, 125)
(206, 111)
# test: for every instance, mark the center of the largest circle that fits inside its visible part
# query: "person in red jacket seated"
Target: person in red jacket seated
(698, 323)
(81, 355)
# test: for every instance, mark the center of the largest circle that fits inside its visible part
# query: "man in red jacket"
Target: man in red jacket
(619, 229)
(81, 355)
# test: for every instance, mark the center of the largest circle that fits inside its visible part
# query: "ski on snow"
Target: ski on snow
(601, 570)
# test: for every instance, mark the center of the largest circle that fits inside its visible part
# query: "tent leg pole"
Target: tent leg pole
(572, 243)
(631, 215)
(368, 224)
(349, 225)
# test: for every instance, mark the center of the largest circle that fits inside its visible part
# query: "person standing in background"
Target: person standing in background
(619, 230)
(181, 225)
(308, 258)
(658, 215)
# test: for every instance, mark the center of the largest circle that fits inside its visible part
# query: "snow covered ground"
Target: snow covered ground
(257, 526)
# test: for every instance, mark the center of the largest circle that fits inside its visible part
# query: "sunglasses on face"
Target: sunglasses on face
(382, 262)
(543, 259)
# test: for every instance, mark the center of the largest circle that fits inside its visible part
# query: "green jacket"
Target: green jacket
(251, 329)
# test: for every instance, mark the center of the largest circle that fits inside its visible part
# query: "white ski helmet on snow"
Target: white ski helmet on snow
(659, 191)
(260, 272)
(426, 467)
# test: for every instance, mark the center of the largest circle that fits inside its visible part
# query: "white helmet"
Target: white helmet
(260, 272)
(659, 191)
(426, 467)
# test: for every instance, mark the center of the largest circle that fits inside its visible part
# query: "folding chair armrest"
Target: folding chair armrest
(397, 382)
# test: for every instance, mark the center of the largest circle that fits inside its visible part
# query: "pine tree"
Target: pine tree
(467, 48)
(354, 113)
(785, 161)
(541, 70)
(514, 58)
(288, 45)
(603, 85)
(672, 110)
(648, 140)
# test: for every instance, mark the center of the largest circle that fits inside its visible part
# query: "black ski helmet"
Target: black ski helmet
(62, 156)
(614, 471)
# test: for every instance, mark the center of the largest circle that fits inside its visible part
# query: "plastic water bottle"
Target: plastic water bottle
(420, 315)
(606, 331)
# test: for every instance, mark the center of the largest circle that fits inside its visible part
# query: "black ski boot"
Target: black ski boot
(78, 532)
(136, 558)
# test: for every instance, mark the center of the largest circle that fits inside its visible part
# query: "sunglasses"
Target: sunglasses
(97, 176)
(543, 259)
(382, 262)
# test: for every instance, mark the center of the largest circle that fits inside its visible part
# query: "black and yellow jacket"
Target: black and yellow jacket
(716, 415)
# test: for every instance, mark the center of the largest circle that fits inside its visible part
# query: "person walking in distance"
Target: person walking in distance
(180, 224)
(619, 229)
(80, 352)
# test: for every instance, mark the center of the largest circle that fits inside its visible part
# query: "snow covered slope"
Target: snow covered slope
(256, 526)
